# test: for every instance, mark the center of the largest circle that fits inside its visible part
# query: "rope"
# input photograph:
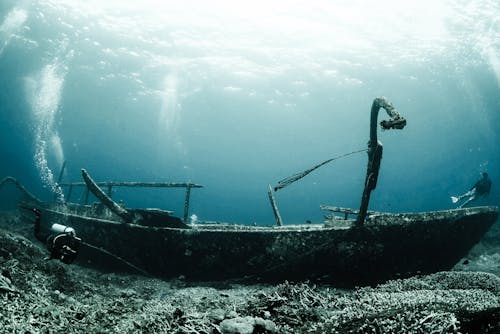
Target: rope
(116, 257)
(20, 187)
(291, 179)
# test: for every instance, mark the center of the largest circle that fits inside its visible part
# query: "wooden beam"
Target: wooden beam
(101, 195)
(186, 204)
(274, 206)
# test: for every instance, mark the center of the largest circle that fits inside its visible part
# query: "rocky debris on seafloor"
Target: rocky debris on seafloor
(48, 296)
(247, 325)
(6, 285)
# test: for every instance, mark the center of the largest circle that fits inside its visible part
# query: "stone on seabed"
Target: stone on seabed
(246, 325)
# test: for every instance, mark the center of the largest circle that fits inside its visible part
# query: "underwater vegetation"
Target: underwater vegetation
(47, 296)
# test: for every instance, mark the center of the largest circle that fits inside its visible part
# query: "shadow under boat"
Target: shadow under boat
(368, 249)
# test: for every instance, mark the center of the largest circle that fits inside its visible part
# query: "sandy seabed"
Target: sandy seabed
(40, 296)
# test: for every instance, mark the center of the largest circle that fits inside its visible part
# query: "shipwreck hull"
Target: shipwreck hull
(387, 246)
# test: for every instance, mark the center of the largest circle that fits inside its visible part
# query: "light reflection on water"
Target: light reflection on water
(225, 90)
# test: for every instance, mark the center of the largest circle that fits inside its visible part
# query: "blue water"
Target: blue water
(236, 97)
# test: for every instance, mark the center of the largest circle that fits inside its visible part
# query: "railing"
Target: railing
(345, 211)
(108, 186)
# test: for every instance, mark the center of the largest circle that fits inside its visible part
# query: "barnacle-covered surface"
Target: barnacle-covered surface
(48, 296)
(413, 217)
(387, 246)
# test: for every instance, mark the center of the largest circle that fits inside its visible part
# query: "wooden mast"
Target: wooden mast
(105, 199)
(375, 150)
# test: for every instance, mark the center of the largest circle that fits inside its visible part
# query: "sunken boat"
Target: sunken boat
(352, 247)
